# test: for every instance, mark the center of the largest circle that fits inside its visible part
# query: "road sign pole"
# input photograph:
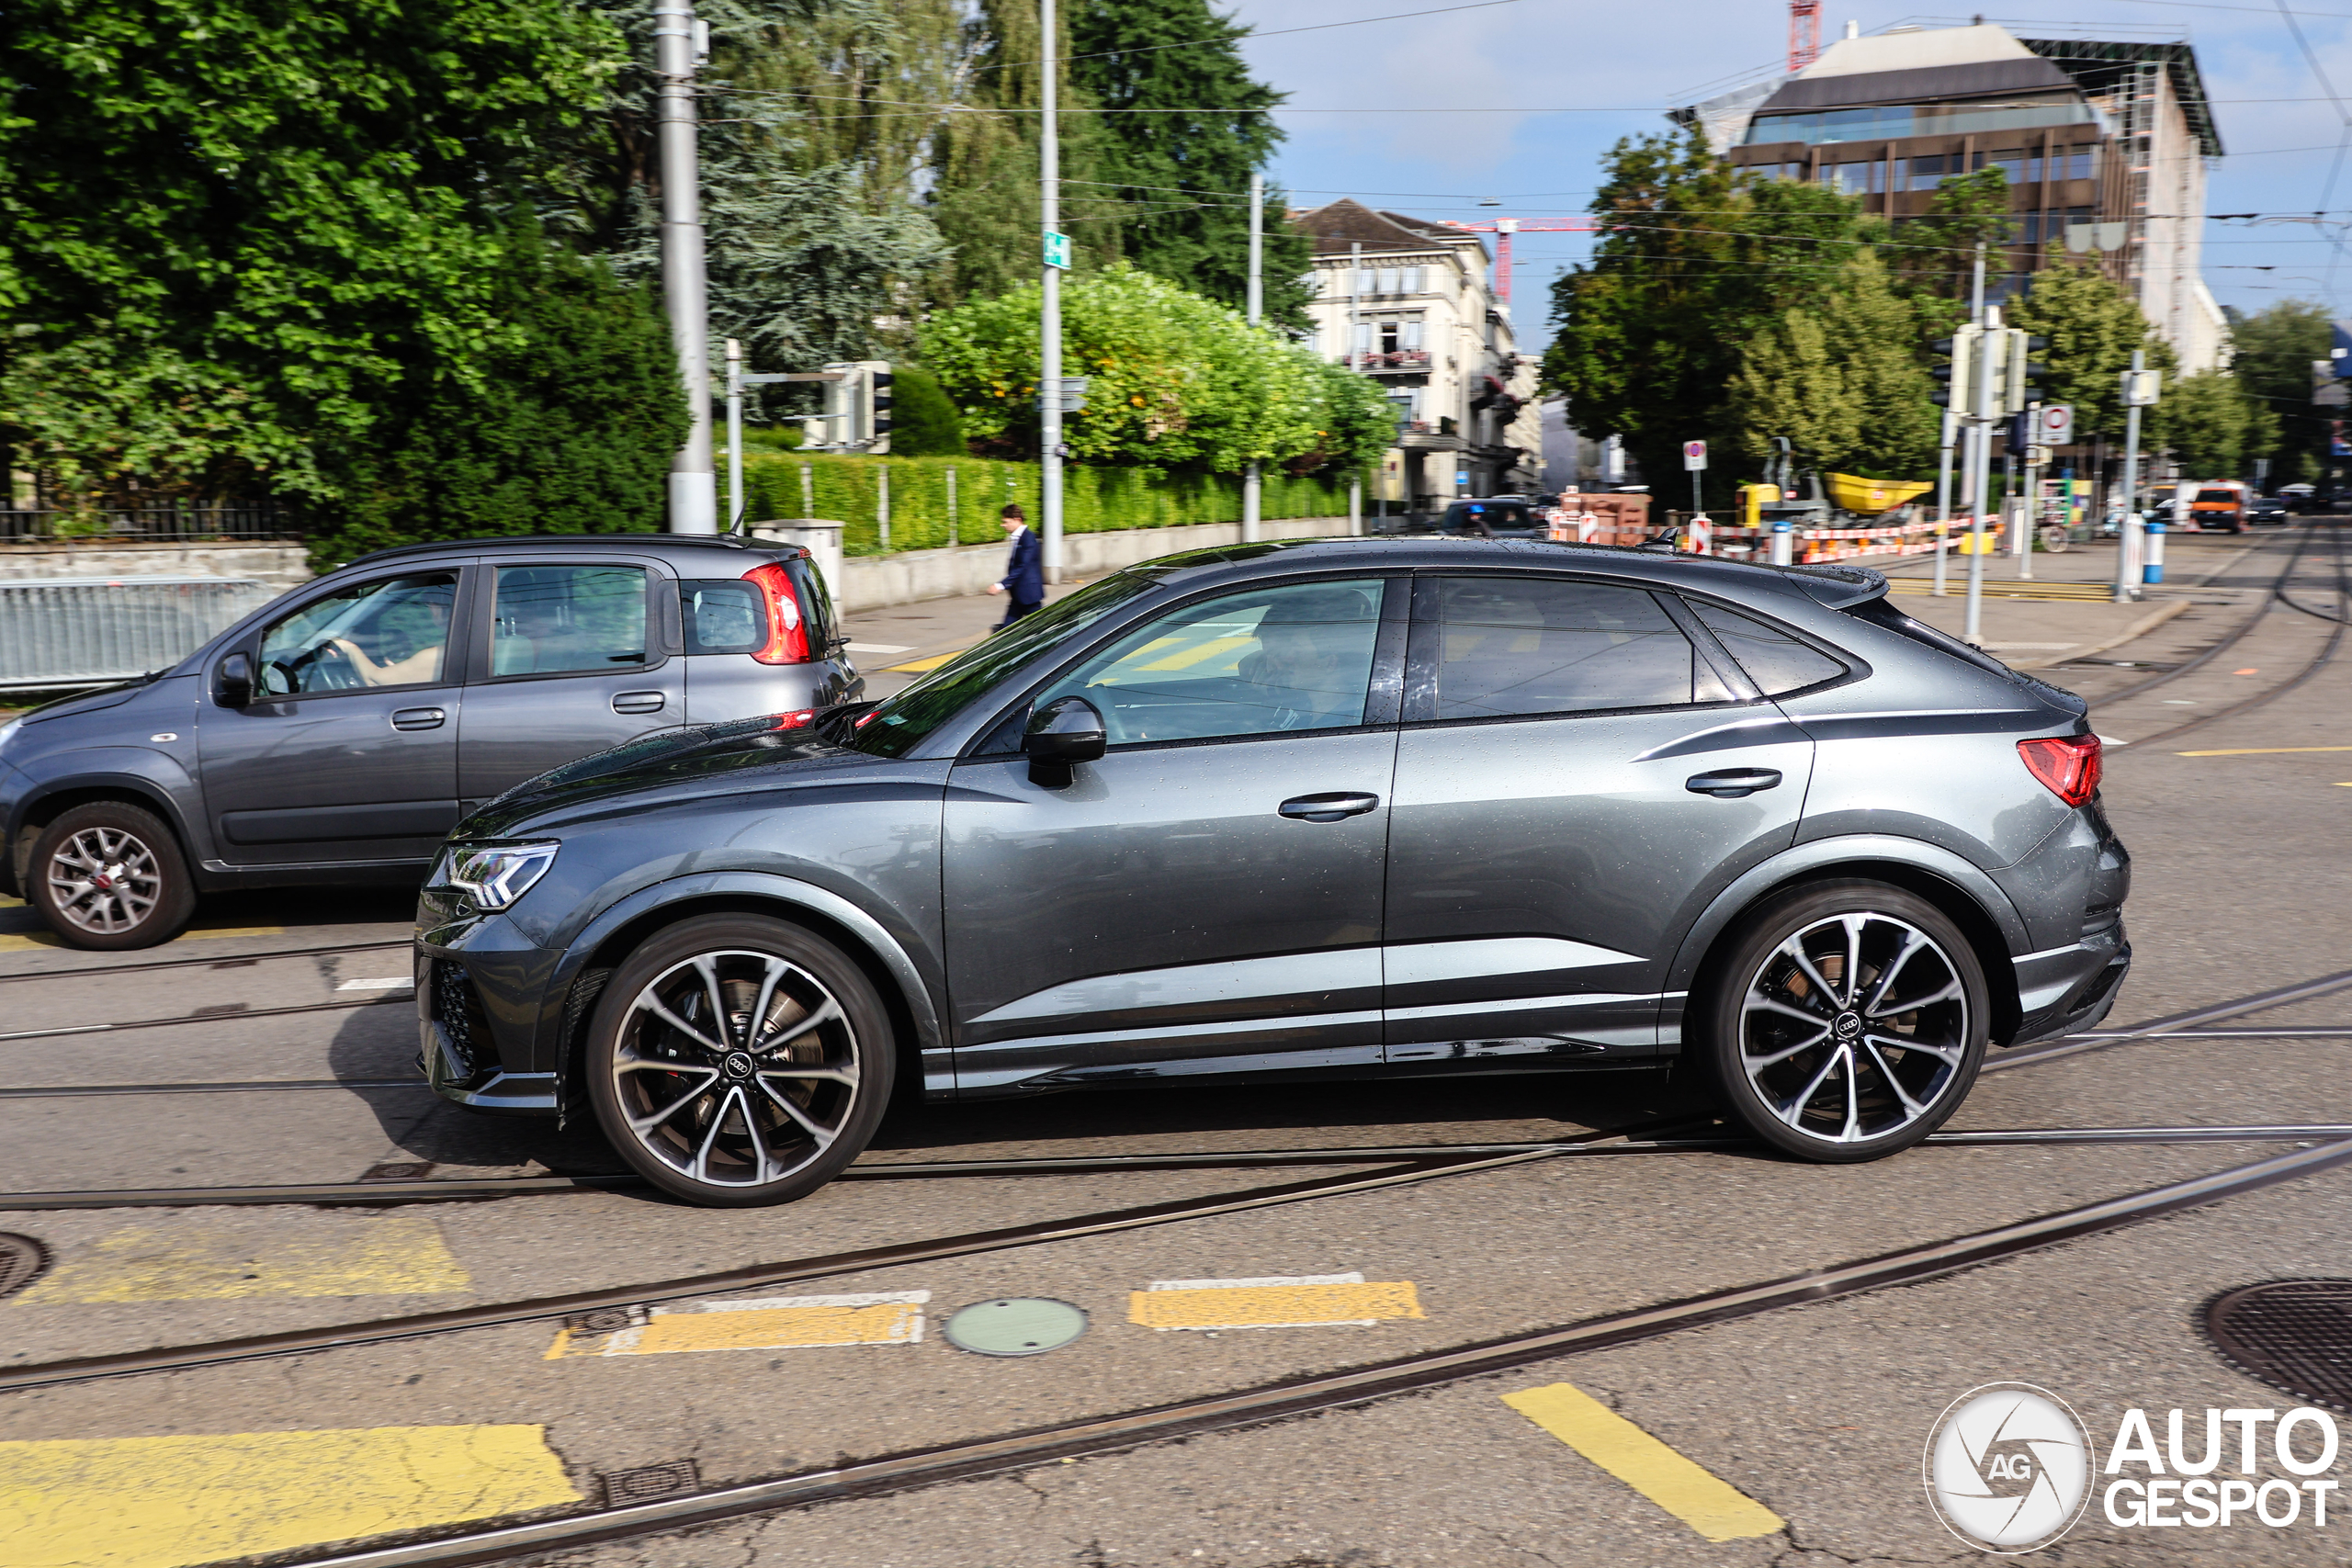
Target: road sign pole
(2127, 527)
(1981, 475)
(1050, 314)
(1943, 494)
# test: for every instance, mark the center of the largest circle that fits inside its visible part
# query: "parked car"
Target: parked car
(1319, 809)
(2267, 509)
(338, 733)
(1497, 517)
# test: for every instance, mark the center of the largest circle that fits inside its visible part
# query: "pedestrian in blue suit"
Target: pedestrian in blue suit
(1025, 579)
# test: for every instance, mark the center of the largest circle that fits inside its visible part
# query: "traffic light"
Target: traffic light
(857, 407)
(1955, 378)
(2024, 373)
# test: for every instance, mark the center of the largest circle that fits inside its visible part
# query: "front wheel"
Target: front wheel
(736, 1060)
(109, 876)
(1847, 1021)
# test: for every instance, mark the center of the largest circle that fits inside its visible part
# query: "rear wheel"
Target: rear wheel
(1847, 1023)
(736, 1060)
(109, 875)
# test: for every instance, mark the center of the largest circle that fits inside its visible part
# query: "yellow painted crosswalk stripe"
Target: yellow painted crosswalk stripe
(340, 1256)
(920, 666)
(1697, 1496)
(1288, 1302)
(166, 1501)
(782, 1322)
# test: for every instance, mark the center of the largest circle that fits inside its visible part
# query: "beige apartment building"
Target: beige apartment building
(1407, 302)
(2105, 146)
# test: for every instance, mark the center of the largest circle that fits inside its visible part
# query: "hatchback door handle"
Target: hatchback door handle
(637, 702)
(1732, 783)
(1331, 807)
(418, 718)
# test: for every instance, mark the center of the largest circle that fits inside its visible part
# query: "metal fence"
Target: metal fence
(168, 523)
(68, 632)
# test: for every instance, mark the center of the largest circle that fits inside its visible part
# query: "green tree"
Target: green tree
(228, 229)
(1935, 254)
(924, 422)
(1176, 380)
(1841, 380)
(2093, 326)
(2275, 350)
(564, 422)
(1182, 163)
(2215, 427)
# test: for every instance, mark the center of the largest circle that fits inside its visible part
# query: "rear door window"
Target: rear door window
(564, 619)
(1506, 646)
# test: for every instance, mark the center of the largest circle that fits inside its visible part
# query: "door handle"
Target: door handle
(418, 718)
(637, 702)
(1732, 783)
(1332, 807)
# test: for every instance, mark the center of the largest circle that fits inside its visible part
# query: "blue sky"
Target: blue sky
(1534, 92)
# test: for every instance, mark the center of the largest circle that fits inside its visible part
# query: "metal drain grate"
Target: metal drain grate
(21, 1260)
(397, 1170)
(2295, 1335)
(649, 1483)
(603, 1320)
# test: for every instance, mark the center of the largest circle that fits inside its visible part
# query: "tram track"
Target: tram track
(226, 961)
(1290, 1398)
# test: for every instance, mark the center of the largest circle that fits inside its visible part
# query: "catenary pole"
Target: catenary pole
(1049, 318)
(1256, 302)
(693, 487)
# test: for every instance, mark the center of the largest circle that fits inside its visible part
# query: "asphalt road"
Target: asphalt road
(1816, 1412)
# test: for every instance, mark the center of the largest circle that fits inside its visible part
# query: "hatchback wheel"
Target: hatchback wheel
(735, 1060)
(1848, 1021)
(109, 875)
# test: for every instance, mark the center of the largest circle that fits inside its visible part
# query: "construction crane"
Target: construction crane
(1804, 34)
(1502, 229)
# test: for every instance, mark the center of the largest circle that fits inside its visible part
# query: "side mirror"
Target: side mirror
(233, 687)
(1064, 731)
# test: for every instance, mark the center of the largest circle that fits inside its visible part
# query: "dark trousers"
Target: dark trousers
(1015, 611)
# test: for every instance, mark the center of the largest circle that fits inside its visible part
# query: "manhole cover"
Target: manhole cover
(649, 1482)
(1015, 1326)
(22, 1260)
(2294, 1335)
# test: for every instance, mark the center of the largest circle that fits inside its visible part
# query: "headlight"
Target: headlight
(493, 876)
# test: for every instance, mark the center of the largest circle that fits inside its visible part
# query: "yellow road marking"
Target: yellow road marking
(2261, 750)
(45, 938)
(387, 1255)
(920, 666)
(164, 1502)
(783, 1323)
(1697, 1496)
(1303, 1301)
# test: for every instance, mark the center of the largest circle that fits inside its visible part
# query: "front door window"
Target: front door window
(392, 632)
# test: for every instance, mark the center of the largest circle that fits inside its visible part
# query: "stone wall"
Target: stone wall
(282, 566)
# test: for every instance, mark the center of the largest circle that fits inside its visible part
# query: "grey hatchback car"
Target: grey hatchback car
(337, 734)
(1344, 807)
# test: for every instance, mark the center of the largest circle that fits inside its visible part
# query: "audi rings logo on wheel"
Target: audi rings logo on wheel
(2008, 1468)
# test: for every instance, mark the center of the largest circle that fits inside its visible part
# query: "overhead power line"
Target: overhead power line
(1255, 33)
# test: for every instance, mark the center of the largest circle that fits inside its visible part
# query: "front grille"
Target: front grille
(2295, 1335)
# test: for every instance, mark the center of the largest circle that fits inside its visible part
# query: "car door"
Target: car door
(573, 656)
(1581, 767)
(348, 750)
(1205, 897)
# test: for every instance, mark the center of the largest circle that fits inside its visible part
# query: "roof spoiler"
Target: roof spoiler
(1838, 587)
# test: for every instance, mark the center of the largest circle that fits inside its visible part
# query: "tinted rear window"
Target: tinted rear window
(1774, 659)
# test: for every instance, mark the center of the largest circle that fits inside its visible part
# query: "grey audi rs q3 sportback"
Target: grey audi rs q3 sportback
(1341, 807)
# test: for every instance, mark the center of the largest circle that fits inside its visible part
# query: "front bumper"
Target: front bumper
(482, 995)
(2070, 988)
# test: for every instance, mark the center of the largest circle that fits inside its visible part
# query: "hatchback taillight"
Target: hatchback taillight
(2069, 764)
(787, 627)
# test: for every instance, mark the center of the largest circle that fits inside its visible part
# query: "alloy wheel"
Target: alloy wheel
(104, 880)
(736, 1068)
(1854, 1028)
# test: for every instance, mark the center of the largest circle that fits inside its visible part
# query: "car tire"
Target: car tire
(737, 1116)
(109, 876)
(1805, 1032)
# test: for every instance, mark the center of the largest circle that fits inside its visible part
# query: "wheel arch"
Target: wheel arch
(41, 809)
(1960, 891)
(606, 941)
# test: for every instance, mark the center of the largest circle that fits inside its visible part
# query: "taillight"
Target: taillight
(787, 627)
(2069, 764)
(800, 720)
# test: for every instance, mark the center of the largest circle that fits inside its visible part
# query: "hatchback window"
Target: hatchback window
(1776, 662)
(1266, 660)
(392, 632)
(1512, 646)
(554, 618)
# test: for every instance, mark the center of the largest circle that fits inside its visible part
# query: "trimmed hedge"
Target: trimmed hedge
(1094, 499)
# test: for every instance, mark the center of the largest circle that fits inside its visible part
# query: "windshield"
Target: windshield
(893, 728)
(2227, 497)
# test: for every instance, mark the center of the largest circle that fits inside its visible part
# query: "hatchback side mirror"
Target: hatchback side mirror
(1064, 731)
(233, 687)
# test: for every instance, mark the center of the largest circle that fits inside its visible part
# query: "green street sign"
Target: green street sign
(1058, 250)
